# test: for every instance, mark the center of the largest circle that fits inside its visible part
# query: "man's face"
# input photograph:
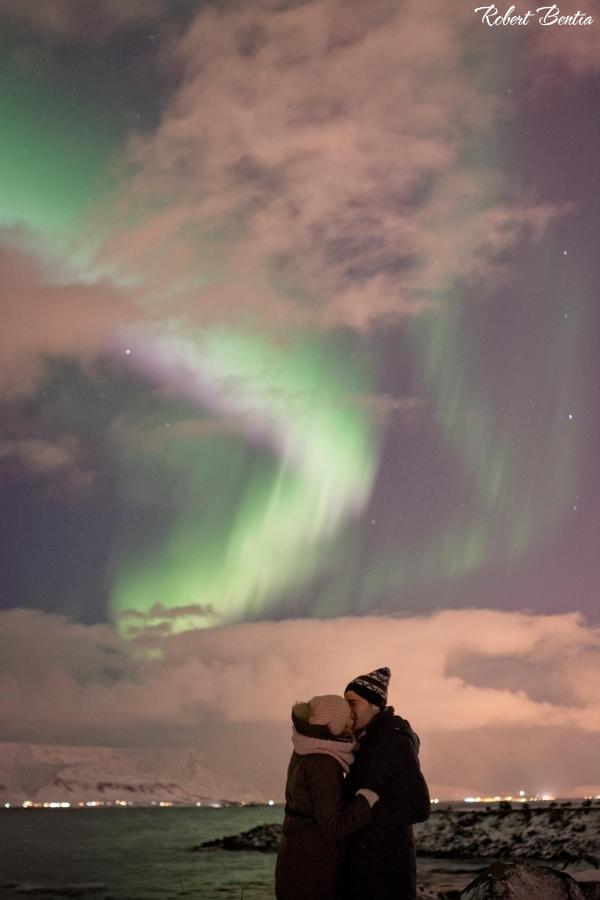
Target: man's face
(362, 710)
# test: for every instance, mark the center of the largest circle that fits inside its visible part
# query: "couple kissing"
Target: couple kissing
(354, 789)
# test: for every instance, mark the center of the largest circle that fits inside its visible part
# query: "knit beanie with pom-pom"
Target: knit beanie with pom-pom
(372, 687)
(330, 710)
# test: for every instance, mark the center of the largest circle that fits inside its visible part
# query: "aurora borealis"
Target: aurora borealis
(300, 312)
(263, 532)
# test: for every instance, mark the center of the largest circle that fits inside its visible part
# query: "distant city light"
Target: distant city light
(124, 804)
(522, 798)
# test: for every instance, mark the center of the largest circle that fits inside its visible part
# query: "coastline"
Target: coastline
(557, 834)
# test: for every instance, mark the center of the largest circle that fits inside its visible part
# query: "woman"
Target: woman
(316, 818)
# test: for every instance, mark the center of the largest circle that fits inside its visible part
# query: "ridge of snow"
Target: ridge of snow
(44, 772)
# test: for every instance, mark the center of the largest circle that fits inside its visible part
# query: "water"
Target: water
(144, 854)
(131, 854)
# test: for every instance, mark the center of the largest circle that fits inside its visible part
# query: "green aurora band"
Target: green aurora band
(55, 157)
(235, 548)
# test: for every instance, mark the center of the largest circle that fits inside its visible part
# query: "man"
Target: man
(380, 859)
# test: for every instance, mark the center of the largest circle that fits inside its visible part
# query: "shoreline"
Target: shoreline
(563, 835)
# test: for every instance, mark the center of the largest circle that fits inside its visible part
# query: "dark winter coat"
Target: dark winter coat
(315, 824)
(380, 861)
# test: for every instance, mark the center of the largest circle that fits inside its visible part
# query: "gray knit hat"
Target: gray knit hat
(372, 687)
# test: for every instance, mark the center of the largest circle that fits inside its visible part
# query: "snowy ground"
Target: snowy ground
(551, 834)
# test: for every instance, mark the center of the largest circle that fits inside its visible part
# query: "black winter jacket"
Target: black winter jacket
(380, 861)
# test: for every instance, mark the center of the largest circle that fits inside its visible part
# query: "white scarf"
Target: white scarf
(340, 750)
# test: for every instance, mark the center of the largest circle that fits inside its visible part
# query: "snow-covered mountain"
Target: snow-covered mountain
(47, 773)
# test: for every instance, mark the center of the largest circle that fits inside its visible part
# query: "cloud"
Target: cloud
(163, 621)
(39, 455)
(44, 316)
(67, 20)
(382, 407)
(311, 168)
(60, 460)
(64, 682)
(575, 50)
(158, 432)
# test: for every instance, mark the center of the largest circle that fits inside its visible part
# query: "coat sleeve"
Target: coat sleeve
(409, 801)
(335, 819)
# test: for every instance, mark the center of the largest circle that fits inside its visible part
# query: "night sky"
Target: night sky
(299, 377)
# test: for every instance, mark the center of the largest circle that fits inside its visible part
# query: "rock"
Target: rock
(264, 838)
(520, 881)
